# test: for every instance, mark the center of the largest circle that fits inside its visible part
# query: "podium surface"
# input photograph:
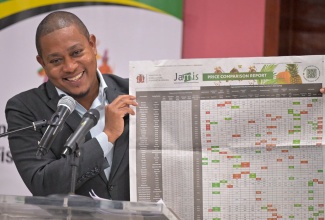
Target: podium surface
(79, 207)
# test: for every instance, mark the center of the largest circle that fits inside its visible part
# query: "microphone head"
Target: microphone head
(68, 102)
(93, 114)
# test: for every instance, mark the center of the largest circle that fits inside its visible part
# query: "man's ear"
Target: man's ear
(92, 42)
(40, 60)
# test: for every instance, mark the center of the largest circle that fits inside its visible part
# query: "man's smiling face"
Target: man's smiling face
(69, 60)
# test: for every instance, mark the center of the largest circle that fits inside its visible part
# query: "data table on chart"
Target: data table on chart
(168, 129)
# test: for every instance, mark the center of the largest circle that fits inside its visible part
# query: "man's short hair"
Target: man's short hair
(57, 20)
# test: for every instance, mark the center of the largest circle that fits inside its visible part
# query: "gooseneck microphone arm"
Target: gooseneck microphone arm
(35, 125)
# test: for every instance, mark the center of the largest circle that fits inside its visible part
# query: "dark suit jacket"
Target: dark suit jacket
(52, 173)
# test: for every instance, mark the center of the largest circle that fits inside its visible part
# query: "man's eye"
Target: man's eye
(76, 53)
(55, 61)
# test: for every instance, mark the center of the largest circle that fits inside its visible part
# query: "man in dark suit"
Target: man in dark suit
(67, 52)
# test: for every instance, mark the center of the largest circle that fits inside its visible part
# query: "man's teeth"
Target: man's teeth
(76, 77)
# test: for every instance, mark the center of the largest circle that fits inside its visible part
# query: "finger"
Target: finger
(126, 111)
(124, 100)
(322, 90)
(126, 103)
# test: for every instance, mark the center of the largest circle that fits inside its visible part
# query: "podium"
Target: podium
(79, 207)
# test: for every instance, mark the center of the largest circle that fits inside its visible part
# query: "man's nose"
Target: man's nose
(70, 65)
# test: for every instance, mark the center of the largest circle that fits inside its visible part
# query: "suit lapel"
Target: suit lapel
(111, 91)
(121, 144)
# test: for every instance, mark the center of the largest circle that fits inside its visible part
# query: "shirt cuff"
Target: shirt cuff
(104, 143)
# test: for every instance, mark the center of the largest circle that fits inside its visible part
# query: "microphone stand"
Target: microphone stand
(76, 139)
(35, 125)
(74, 151)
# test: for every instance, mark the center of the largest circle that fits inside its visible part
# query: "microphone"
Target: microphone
(65, 107)
(88, 121)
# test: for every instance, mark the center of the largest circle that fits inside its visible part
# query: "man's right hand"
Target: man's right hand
(114, 113)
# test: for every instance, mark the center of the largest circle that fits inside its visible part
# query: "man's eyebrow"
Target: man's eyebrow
(58, 54)
(74, 47)
(52, 55)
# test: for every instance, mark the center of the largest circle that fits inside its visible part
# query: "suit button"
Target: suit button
(110, 188)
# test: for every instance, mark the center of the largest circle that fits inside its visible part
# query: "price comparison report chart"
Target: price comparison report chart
(261, 152)
(233, 152)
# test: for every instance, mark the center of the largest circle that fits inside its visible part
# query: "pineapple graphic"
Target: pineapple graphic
(289, 76)
(295, 78)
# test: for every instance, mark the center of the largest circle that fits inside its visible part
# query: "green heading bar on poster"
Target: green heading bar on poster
(237, 76)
